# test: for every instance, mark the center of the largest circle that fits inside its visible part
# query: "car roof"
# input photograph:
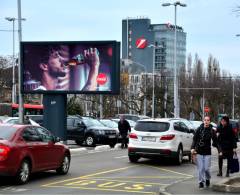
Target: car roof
(159, 120)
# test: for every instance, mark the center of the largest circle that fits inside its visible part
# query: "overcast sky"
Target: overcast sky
(211, 25)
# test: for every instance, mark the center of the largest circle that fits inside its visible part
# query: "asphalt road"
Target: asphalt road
(110, 172)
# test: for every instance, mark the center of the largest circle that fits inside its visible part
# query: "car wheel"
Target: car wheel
(63, 169)
(179, 157)
(133, 158)
(90, 140)
(23, 173)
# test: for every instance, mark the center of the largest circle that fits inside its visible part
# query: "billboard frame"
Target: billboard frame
(115, 70)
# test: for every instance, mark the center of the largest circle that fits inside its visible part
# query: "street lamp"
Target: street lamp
(176, 98)
(12, 19)
(153, 91)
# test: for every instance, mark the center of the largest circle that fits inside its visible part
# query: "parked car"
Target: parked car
(37, 118)
(133, 117)
(197, 124)
(111, 124)
(160, 137)
(235, 126)
(131, 123)
(90, 131)
(15, 120)
(26, 149)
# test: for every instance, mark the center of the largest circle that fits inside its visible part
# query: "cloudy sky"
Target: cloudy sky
(211, 25)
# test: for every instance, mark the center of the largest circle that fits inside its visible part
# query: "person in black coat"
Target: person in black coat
(227, 143)
(124, 128)
(201, 146)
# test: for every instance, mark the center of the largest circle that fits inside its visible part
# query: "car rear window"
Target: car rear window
(152, 126)
(6, 132)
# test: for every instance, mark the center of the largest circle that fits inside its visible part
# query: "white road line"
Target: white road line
(121, 157)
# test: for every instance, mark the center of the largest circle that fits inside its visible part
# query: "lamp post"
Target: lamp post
(12, 19)
(153, 72)
(176, 98)
(233, 99)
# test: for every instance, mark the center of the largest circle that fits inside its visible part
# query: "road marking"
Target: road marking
(143, 177)
(103, 179)
(121, 157)
(111, 190)
(90, 175)
(168, 170)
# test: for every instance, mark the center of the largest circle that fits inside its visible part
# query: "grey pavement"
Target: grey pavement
(190, 186)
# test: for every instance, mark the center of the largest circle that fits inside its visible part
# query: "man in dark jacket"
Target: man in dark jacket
(227, 143)
(124, 128)
(201, 146)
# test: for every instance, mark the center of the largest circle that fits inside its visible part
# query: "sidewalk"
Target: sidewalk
(219, 185)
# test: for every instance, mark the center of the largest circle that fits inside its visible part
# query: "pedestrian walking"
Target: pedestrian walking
(227, 144)
(201, 146)
(124, 128)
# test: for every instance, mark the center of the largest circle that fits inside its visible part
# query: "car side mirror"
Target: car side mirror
(80, 124)
(57, 139)
(191, 131)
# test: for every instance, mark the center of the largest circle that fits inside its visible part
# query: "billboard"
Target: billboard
(85, 67)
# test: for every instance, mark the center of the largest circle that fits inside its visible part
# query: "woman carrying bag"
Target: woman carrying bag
(227, 144)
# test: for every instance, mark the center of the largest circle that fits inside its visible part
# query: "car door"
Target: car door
(187, 136)
(35, 147)
(181, 134)
(70, 128)
(79, 129)
(53, 152)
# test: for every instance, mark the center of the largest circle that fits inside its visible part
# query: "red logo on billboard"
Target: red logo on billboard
(141, 43)
(101, 78)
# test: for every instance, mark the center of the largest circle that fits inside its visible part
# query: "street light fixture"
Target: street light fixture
(176, 98)
(12, 19)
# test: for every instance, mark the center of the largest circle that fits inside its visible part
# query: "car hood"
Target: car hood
(100, 128)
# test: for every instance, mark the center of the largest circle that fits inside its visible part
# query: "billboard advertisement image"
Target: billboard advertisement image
(87, 67)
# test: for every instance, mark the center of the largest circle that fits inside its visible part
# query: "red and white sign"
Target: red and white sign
(206, 109)
(141, 43)
(101, 78)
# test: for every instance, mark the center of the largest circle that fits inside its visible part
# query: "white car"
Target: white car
(165, 137)
(15, 120)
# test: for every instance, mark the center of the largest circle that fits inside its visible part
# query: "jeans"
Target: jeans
(203, 166)
(124, 141)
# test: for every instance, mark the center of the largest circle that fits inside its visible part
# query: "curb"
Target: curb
(226, 185)
(102, 148)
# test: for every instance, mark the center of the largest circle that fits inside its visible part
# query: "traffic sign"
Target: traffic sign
(206, 109)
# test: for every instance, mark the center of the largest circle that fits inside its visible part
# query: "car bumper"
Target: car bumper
(7, 171)
(146, 152)
(106, 139)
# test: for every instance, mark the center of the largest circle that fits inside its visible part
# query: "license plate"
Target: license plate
(149, 139)
(111, 136)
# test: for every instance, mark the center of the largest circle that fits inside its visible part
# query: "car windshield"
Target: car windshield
(92, 122)
(6, 132)
(109, 123)
(152, 126)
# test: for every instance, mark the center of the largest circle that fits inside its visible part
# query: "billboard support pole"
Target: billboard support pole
(55, 114)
